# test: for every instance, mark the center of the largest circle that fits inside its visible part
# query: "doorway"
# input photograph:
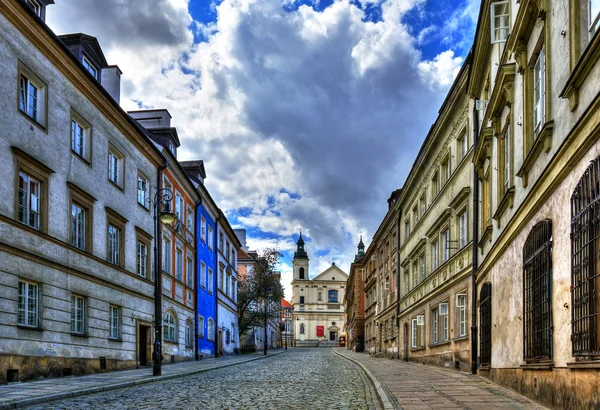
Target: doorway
(332, 336)
(220, 343)
(406, 342)
(143, 342)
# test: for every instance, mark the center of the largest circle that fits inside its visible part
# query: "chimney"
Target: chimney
(111, 81)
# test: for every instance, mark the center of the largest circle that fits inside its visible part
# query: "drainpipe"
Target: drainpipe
(398, 282)
(475, 246)
(197, 287)
(216, 288)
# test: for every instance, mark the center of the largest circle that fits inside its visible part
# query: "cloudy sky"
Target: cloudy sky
(307, 113)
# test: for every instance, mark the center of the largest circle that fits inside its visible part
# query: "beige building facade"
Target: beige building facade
(318, 314)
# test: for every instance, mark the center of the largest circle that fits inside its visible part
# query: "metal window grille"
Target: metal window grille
(585, 251)
(485, 314)
(537, 289)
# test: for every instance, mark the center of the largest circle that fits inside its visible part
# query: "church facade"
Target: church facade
(318, 314)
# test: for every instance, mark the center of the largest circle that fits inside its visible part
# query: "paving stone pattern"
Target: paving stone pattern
(415, 386)
(299, 379)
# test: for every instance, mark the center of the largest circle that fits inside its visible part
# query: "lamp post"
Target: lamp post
(164, 197)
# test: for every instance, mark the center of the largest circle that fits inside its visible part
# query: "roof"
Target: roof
(89, 43)
(332, 269)
(243, 255)
(286, 304)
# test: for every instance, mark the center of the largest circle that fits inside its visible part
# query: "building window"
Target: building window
(190, 220)
(423, 204)
(507, 159)
(407, 228)
(179, 264)
(227, 254)
(90, 67)
(210, 280)
(234, 289)
(485, 333)
(443, 322)
(446, 244)
(539, 93)
(435, 255)
(211, 329)
(537, 291)
(143, 191)
(32, 96)
(209, 238)
(463, 145)
(201, 327)
(115, 166)
(446, 170)
(203, 228)
(30, 191)
(227, 282)
(301, 328)
(593, 17)
(585, 277)
(434, 326)
(114, 245)
(434, 184)
(233, 332)
(166, 255)
(35, 6)
(202, 274)
(77, 314)
(81, 132)
(462, 223)
(114, 321)
(499, 21)
(418, 326)
(301, 300)
(422, 266)
(415, 214)
(189, 272)
(332, 296)
(461, 315)
(221, 243)
(78, 216)
(415, 272)
(179, 207)
(169, 328)
(142, 259)
(28, 305)
(188, 333)
(301, 273)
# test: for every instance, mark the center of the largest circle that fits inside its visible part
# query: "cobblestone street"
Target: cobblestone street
(299, 379)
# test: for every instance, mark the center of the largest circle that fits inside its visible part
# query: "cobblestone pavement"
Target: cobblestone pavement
(418, 387)
(299, 379)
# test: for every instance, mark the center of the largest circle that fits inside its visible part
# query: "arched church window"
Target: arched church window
(301, 273)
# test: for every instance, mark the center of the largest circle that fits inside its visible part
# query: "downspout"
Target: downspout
(475, 246)
(215, 285)
(197, 287)
(398, 282)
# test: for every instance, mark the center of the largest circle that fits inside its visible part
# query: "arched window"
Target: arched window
(585, 269)
(485, 317)
(188, 333)
(211, 329)
(301, 273)
(169, 328)
(301, 328)
(537, 291)
(332, 296)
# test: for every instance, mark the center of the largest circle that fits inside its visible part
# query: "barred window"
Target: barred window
(537, 291)
(585, 276)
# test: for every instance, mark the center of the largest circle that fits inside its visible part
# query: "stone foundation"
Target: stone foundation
(559, 388)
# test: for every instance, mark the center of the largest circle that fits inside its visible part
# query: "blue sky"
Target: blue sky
(307, 113)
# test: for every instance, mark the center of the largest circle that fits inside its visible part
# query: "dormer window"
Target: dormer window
(90, 67)
(172, 148)
(499, 21)
(35, 6)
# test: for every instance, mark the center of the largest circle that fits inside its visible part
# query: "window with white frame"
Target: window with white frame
(28, 304)
(446, 244)
(507, 157)
(447, 169)
(434, 184)
(434, 325)
(142, 259)
(114, 245)
(210, 237)
(179, 264)
(418, 326)
(462, 223)
(233, 332)
(415, 212)
(166, 255)
(227, 284)
(593, 17)
(464, 145)
(211, 329)
(78, 143)
(78, 224)
(210, 280)
(423, 204)
(539, 93)
(499, 21)
(415, 272)
(29, 200)
(435, 255)
(179, 207)
(115, 166)
(35, 6)
(221, 242)
(221, 277)
(443, 322)
(461, 314)
(114, 319)
(407, 228)
(203, 228)
(32, 96)
(77, 314)
(143, 189)
(188, 333)
(190, 219)
(201, 327)
(234, 289)
(189, 271)
(90, 67)
(202, 274)
(169, 328)
(422, 265)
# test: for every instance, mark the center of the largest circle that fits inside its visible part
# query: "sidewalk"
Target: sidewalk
(413, 386)
(27, 393)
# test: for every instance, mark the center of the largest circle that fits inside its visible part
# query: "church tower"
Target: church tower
(361, 250)
(300, 261)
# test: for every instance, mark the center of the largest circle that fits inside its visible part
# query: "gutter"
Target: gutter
(196, 205)
(216, 288)
(398, 285)
(475, 246)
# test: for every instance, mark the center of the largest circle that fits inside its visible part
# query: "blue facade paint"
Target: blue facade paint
(206, 303)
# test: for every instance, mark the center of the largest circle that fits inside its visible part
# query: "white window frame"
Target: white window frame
(443, 318)
(210, 280)
(201, 327)
(114, 244)
(209, 237)
(78, 224)
(539, 93)
(35, 6)
(179, 206)
(422, 265)
(78, 143)
(166, 254)
(90, 67)
(179, 263)
(203, 229)
(461, 314)
(189, 270)
(434, 325)
(462, 223)
(28, 304)
(32, 98)
(211, 329)
(203, 274)
(114, 319)
(435, 254)
(170, 327)
(188, 333)
(30, 208)
(116, 166)
(593, 20)
(190, 219)
(142, 258)
(143, 185)
(446, 245)
(502, 30)
(78, 314)
(464, 145)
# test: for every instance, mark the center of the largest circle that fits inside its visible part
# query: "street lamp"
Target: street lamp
(164, 197)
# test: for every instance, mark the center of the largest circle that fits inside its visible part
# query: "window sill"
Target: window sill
(485, 236)
(34, 122)
(417, 349)
(84, 335)
(459, 338)
(36, 328)
(584, 364)
(144, 207)
(112, 339)
(537, 366)
(119, 187)
(543, 140)
(172, 342)
(444, 343)
(506, 202)
(82, 159)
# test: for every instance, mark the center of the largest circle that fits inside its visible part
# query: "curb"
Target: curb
(148, 379)
(384, 398)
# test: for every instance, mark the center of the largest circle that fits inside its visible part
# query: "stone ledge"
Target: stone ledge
(584, 364)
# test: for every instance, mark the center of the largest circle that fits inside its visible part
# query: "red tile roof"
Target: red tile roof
(285, 303)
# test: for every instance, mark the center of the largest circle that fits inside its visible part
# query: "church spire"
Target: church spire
(300, 252)
(361, 250)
